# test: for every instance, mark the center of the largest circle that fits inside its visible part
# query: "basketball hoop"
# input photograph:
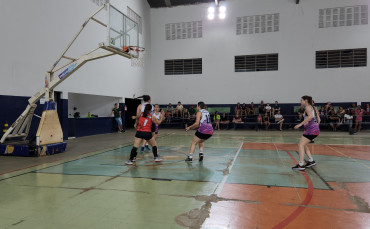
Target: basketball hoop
(134, 51)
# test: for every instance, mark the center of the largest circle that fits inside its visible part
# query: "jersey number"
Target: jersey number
(208, 119)
(145, 122)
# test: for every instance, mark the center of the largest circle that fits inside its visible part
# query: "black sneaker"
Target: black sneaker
(201, 157)
(310, 164)
(298, 167)
(189, 159)
(312, 141)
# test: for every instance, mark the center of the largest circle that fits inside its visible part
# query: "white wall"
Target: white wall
(95, 104)
(296, 42)
(34, 33)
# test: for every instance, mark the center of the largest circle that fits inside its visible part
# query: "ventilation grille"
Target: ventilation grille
(184, 30)
(183, 66)
(257, 24)
(343, 16)
(257, 63)
(136, 18)
(344, 58)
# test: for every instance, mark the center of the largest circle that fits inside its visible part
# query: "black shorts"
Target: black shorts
(202, 136)
(310, 137)
(144, 135)
(153, 127)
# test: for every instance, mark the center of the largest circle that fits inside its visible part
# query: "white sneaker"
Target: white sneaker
(157, 159)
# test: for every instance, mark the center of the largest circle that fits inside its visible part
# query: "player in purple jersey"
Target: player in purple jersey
(204, 132)
(311, 131)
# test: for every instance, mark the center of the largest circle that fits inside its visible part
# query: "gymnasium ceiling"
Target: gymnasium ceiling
(171, 3)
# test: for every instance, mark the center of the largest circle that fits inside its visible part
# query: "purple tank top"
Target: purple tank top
(312, 127)
(205, 126)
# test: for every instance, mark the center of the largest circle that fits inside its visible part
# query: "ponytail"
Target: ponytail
(147, 110)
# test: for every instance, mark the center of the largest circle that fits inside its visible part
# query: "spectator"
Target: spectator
(333, 119)
(268, 109)
(179, 109)
(251, 110)
(186, 117)
(341, 112)
(367, 109)
(117, 115)
(301, 110)
(169, 115)
(192, 112)
(237, 119)
(359, 113)
(322, 114)
(348, 119)
(261, 108)
(224, 119)
(300, 118)
(266, 119)
(244, 110)
(259, 122)
(276, 108)
(217, 120)
(279, 119)
(238, 109)
(327, 107)
(170, 110)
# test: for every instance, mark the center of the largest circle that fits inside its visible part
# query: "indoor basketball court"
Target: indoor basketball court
(207, 114)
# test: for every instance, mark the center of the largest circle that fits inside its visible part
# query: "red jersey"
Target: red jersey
(145, 124)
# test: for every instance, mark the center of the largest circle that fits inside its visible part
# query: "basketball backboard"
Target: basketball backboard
(122, 31)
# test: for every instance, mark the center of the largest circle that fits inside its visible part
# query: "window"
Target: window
(343, 16)
(183, 66)
(257, 24)
(136, 18)
(184, 30)
(257, 63)
(341, 58)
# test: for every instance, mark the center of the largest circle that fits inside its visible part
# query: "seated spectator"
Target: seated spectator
(238, 109)
(179, 109)
(237, 119)
(276, 108)
(333, 119)
(192, 112)
(244, 110)
(268, 109)
(348, 119)
(301, 110)
(300, 118)
(169, 116)
(259, 122)
(327, 107)
(186, 117)
(341, 112)
(170, 109)
(224, 119)
(261, 108)
(322, 114)
(251, 110)
(359, 112)
(217, 118)
(279, 119)
(266, 120)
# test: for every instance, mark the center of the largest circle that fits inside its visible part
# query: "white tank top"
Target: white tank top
(143, 107)
(158, 116)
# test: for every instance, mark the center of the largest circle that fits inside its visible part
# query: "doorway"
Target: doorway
(131, 105)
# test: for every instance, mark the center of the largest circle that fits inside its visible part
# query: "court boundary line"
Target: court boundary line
(321, 178)
(345, 155)
(221, 185)
(306, 201)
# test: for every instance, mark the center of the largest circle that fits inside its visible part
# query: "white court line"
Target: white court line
(221, 185)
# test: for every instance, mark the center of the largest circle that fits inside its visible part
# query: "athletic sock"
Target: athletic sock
(301, 163)
(133, 153)
(201, 152)
(190, 155)
(310, 159)
(155, 151)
